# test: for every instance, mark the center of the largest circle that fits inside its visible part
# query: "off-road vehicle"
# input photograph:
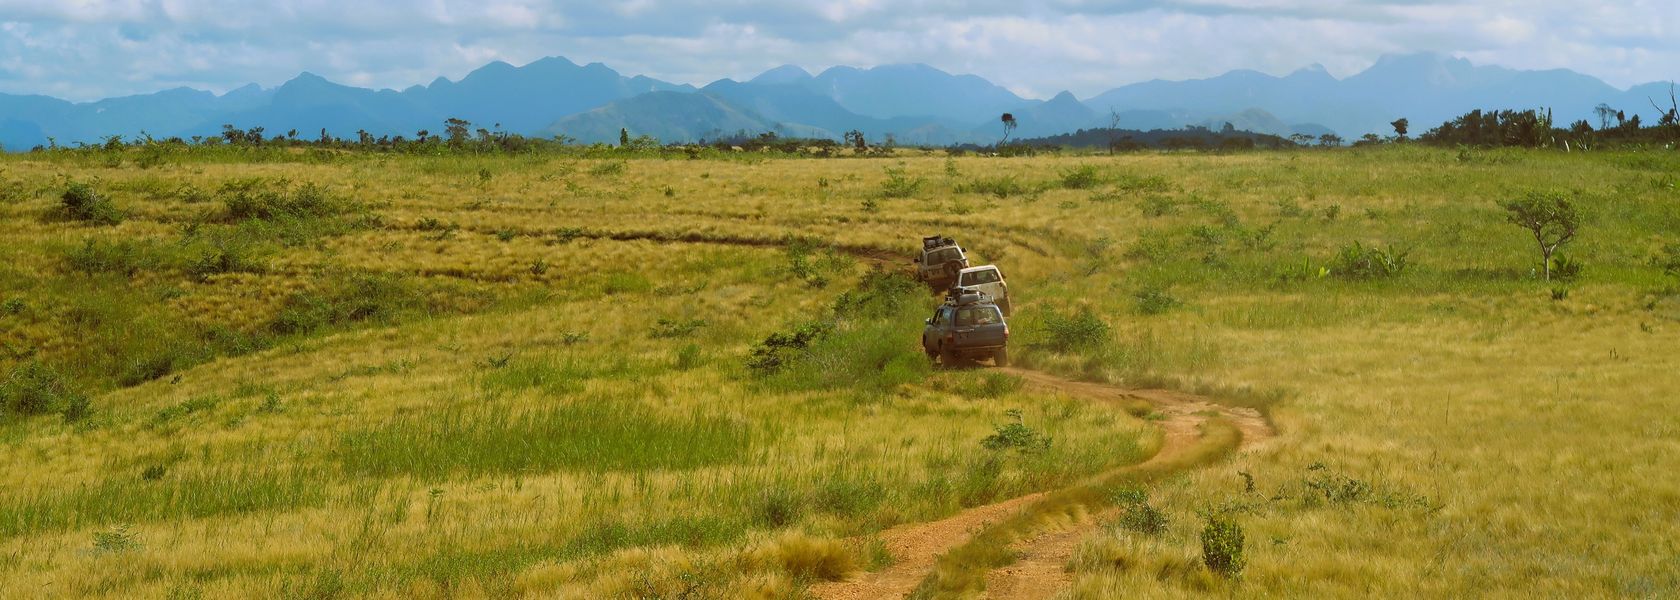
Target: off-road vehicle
(987, 279)
(940, 261)
(967, 325)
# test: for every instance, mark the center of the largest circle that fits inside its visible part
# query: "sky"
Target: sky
(89, 49)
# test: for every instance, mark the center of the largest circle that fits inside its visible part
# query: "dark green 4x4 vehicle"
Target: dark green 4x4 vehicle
(967, 325)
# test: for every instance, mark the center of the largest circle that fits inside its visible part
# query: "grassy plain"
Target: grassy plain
(456, 376)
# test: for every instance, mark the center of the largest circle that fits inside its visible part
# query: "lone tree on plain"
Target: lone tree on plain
(1549, 217)
(1401, 125)
(1008, 127)
(1605, 113)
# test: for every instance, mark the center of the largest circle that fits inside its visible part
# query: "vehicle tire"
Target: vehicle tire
(947, 358)
(930, 352)
(1001, 357)
(1007, 307)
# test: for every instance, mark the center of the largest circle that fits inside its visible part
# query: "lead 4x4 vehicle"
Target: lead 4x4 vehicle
(940, 261)
(967, 325)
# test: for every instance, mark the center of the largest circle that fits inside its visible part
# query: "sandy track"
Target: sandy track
(1040, 573)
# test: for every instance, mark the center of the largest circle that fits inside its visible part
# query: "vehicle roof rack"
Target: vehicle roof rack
(966, 295)
(936, 241)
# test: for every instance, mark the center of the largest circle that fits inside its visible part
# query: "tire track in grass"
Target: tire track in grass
(974, 550)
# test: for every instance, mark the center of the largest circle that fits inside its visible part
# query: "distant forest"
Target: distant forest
(1477, 128)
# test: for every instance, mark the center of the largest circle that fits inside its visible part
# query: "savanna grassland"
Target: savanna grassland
(344, 375)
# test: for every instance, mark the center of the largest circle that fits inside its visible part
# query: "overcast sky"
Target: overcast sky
(88, 49)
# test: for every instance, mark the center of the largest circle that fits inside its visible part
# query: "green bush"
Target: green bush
(83, 203)
(1356, 261)
(358, 298)
(900, 185)
(1080, 330)
(123, 257)
(1153, 300)
(1143, 518)
(1081, 177)
(1002, 186)
(1222, 546)
(1016, 436)
(779, 349)
(33, 388)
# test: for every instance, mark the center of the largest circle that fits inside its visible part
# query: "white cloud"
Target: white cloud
(85, 49)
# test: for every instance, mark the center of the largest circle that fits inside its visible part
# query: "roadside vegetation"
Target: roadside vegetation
(268, 370)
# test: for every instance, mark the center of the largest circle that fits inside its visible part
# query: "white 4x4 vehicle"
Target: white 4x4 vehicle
(988, 279)
(940, 261)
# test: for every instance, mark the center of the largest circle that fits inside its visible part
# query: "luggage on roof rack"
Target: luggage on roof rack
(937, 241)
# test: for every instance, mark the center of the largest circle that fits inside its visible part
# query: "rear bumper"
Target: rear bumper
(969, 351)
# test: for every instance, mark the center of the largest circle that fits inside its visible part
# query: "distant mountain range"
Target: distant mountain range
(916, 104)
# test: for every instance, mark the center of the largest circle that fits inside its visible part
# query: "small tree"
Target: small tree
(623, 137)
(1401, 125)
(1329, 140)
(1008, 127)
(1549, 217)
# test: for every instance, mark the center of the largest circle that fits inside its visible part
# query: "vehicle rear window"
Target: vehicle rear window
(980, 277)
(979, 315)
(943, 255)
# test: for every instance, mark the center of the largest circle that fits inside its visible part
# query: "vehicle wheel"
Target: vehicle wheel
(1007, 307)
(947, 358)
(931, 353)
(1001, 357)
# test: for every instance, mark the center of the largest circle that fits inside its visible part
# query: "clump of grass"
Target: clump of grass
(806, 557)
(611, 168)
(1157, 205)
(1357, 261)
(355, 298)
(1001, 186)
(81, 202)
(1154, 300)
(33, 388)
(118, 539)
(676, 328)
(596, 434)
(121, 257)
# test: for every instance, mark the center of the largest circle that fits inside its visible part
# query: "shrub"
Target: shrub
(1359, 262)
(1002, 186)
(1143, 518)
(1081, 177)
(779, 349)
(676, 328)
(1157, 205)
(223, 254)
(1565, 268)
(83, 203)
(1075, 331)
(123, 257)
(1153, 300)
(1016, 436)
(33, 388)
(248, 199)
(358, 298)
(1222, 546)
(898, 184)
(1669, 260)
(1143, 183)
(13, 306)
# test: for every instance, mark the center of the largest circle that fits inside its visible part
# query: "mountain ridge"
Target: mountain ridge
(916, 103)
